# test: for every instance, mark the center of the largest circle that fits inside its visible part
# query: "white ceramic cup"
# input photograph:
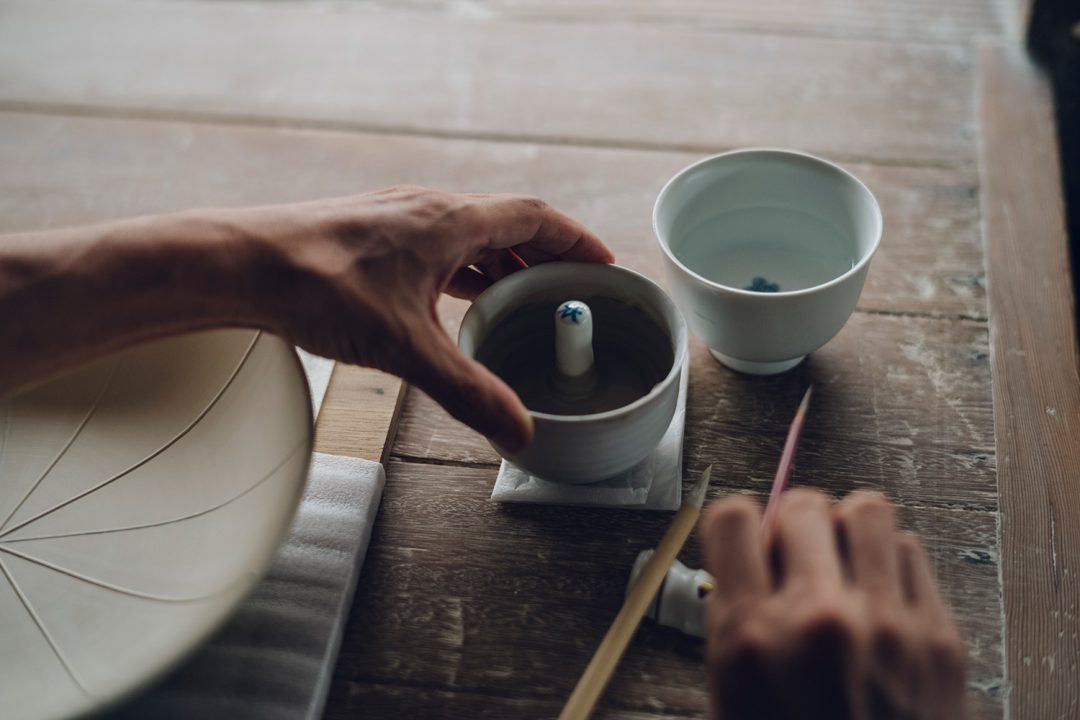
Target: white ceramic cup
(579, 449)
(766, 253)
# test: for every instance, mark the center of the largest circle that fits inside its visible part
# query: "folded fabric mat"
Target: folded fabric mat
(273, 659)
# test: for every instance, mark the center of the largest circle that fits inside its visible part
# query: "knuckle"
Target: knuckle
(865, 506)
(869, 501)
(408, 190)
(535, 202)
(740, 639)
(804, 499)
(946, 651)
(430, 197)
(455, 214)
(467, 215)
(825, 620)
(733, 512)
(438, 199)
(887, 638)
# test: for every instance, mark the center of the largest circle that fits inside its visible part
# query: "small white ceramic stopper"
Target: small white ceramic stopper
(681, 601)
(573, 339)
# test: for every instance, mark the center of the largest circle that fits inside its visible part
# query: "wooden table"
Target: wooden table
(953, 389)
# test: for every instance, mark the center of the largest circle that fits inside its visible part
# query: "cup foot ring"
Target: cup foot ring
(756, 368)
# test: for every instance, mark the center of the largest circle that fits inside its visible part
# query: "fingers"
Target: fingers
(805, 539)
(943, 667)
(467, 284)
(865, 520)
(820, 642)
(470, 392)
(518, 221)
(918, 586)
(734, 553)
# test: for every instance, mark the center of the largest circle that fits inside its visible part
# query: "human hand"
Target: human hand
(357, 279)
(834, 615)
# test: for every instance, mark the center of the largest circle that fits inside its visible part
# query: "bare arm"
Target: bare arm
(353, 278)
(69, 295)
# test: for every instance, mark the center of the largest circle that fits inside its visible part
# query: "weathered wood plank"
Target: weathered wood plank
(901, 405)
(360, 414)
(381, 700)
(613, 84)
(1036, 385)
(58, 170)
(459, 593)
(919, 21)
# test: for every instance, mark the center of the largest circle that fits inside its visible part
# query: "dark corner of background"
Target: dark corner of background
(1054, 40)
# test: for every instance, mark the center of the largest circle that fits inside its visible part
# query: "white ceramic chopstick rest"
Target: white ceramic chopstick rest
(680, 603)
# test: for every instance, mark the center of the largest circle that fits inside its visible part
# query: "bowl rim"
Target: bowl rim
(680, 338)
(789, 155)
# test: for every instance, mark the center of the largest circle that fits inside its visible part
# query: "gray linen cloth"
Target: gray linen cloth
(274, 658)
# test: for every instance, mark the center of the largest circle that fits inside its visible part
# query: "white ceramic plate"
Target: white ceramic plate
(141, 497)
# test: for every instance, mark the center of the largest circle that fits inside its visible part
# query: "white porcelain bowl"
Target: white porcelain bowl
(766, 253)
(585, 448)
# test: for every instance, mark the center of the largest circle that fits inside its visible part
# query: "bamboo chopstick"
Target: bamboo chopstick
(607, 656)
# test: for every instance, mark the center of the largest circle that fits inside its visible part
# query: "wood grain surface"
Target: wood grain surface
(463, 595)
(390, 700)
(360, 413)
(916, 20)
(1037, 388)
(468, 609)
(901, 404)
(929, 262)
(600, 84)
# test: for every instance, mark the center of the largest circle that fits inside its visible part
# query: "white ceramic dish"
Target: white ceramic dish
(766, 252)
(141, 497)
(585, 448)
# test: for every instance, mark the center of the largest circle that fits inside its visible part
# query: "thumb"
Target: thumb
(472, 393)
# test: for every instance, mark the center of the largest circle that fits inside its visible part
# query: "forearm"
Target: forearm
(353, 278)
(69, 295)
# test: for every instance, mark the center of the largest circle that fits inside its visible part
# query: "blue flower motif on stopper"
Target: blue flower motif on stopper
(573, 311)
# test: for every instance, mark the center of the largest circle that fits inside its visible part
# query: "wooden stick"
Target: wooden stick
(787, 462)
(607, 656)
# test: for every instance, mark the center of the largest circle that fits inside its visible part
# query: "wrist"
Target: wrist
(183, 271)
(70, 295)
(271, 273)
